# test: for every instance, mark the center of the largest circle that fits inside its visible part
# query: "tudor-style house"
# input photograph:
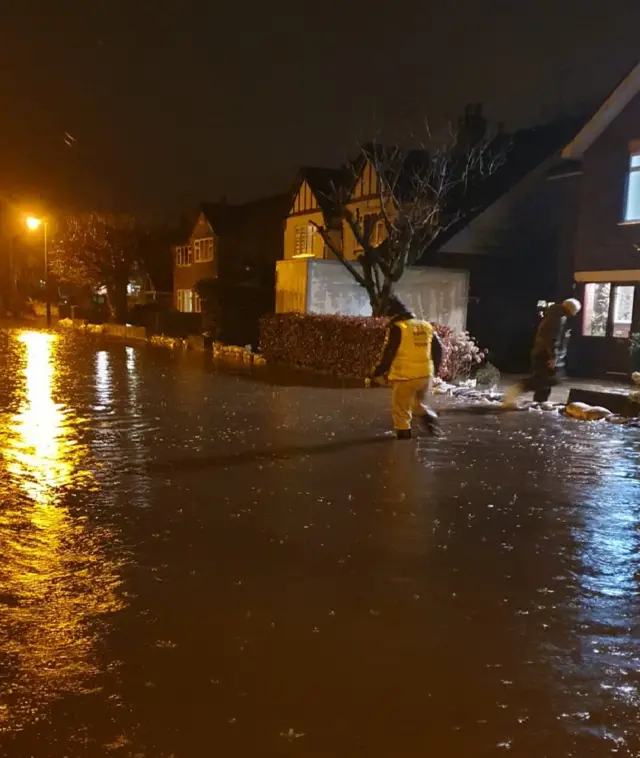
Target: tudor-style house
(313, 206)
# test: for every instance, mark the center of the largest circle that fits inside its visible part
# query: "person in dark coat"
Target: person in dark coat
(410, 360)
(548, 355)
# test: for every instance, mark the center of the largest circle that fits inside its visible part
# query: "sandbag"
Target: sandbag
(577, 410)
(597, 413)
(586, 412)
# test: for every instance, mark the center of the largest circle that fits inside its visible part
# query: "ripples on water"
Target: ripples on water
(295, 586)
(56, 579)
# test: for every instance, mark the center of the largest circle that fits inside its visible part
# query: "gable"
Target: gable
(366, 184)
(202, 228)
(305, 201)
(608, 112)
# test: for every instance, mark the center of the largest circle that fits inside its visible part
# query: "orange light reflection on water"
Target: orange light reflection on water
(56, 576)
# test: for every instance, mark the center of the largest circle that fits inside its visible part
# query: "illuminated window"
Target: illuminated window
(197, 303)
(203, 250)
(185, 301)
(305, 236)
(377, 233)
(632, 204)
(622, 310)
(597, 298)
(184, 255)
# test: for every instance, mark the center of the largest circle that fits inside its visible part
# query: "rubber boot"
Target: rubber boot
(431, 423)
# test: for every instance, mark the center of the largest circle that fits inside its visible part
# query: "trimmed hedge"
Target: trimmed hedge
(347, 346)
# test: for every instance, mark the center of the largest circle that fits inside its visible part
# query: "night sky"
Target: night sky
(167, 103)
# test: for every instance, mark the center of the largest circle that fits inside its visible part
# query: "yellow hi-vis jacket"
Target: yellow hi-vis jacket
(413, 358)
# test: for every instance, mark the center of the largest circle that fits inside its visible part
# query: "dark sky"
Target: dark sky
(172, 102)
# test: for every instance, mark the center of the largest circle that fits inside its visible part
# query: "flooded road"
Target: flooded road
(194, 563)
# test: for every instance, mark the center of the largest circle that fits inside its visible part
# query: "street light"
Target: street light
(33, 223)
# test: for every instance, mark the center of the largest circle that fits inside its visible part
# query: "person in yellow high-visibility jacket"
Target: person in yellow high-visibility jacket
(410, 359)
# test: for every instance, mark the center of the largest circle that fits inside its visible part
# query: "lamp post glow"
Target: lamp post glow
(34, 223)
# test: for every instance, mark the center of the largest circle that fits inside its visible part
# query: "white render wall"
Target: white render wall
(319, 286)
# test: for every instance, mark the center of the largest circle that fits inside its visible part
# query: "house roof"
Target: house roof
(612, 107)
(221, 216)
(224, 218)
(526, 150)
(324, 183)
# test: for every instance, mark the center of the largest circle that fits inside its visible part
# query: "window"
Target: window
(203, 250)
(632, 204)
(597, 298)
(185, 301)
(608, 309)
(184, 255)
(377, 233)
(197, 303)
(622, 310)
(305, 236)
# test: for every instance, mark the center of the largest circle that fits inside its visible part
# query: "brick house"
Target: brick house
(235, 243)
(606, 154)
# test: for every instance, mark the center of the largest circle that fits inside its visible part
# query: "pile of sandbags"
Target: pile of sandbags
(160, 340)
(468, 392)
(233, 352)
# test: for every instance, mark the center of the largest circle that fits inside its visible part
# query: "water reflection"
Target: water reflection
(56, 579)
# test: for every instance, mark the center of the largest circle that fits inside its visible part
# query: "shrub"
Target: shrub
(464, 354)
(349, 345)
(342, 345)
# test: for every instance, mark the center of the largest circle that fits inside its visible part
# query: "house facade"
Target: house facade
(312, 206)
(607, 233)
(193, 260)
(311, 279)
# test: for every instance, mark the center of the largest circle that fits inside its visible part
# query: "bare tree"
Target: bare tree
(98, 250)
(421, 194)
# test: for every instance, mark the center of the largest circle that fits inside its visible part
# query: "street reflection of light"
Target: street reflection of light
(133, 378)
(103, 378)
(38, 455)
(55, 570)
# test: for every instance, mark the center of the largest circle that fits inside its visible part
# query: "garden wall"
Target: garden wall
(308, 285)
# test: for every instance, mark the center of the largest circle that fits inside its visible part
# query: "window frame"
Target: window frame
(203, 250)
(609, 333)
(634, 152)
(181, 299)
(309, 237)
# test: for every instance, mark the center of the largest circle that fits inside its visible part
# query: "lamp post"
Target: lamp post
(33, 223)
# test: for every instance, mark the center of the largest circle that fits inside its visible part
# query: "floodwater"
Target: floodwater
(195, 563)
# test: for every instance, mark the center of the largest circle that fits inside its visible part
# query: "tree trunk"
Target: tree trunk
(117, 296)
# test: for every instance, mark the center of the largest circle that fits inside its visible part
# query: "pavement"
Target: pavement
(199, 562)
